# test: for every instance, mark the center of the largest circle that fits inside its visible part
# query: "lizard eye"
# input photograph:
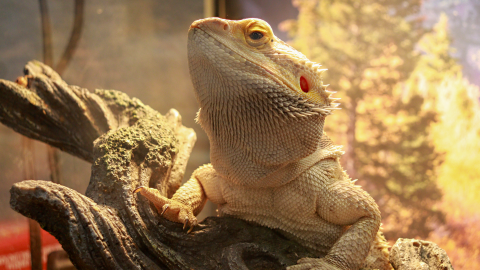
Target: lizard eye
(256, 35)
(304, 84)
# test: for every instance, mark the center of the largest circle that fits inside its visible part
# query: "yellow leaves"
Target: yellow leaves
(344, 83)
(457, 104)
(457, 133)
(465, 105)
(383, 68)
(394, 116)
(388, 58)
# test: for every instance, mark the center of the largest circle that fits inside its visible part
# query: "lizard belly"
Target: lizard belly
(294, 213)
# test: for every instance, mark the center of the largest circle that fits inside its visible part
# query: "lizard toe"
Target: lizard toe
(192, 225)
(164, 209)
(138, 189)
(185, 222)
(171, 209)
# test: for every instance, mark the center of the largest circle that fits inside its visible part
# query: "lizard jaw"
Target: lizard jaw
(207, 29)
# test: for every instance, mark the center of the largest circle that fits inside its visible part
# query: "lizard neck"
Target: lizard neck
(253, 146)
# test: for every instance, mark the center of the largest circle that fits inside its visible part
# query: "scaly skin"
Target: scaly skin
(263, 107)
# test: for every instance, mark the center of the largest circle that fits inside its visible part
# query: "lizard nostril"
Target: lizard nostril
(225, 27)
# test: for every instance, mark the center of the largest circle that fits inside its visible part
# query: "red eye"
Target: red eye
(304, 84)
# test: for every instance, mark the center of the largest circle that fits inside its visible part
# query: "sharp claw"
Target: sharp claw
(165, 207)
(185, 223)
(194, 223)
(138, 189)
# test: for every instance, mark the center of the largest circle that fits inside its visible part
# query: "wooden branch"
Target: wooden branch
(129, 144)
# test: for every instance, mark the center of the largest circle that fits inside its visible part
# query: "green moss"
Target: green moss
(116, 97)
(148, 142)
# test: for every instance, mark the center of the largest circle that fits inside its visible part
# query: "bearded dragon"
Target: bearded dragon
(263, 106)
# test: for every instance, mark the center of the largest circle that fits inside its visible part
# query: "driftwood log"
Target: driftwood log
(130, 145)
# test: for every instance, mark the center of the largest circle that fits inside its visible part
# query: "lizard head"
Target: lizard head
(249, 47)
(262, 102)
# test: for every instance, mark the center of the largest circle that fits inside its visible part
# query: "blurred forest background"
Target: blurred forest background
(410, 121)
(408, 73)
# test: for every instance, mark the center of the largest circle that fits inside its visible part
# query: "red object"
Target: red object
(15, 245)
(304, 84)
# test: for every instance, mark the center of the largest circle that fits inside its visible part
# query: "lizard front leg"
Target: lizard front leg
(342, 203)
(185, 204)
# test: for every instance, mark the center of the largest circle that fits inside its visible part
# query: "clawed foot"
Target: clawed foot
(172, 210)
(313, 264)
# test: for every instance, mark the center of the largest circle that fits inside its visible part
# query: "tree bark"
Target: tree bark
(130, 145)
